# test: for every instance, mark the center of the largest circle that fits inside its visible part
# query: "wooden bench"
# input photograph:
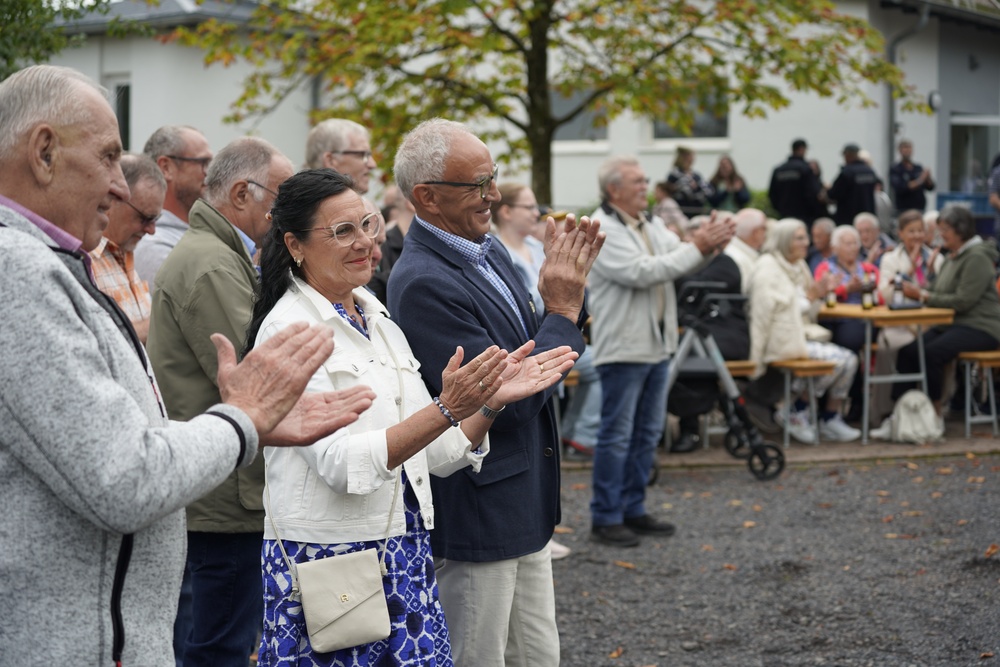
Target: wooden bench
(987, 361)
(572, 378)
(741, 368)
(808, 369)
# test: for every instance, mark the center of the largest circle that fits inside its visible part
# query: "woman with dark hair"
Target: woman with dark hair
(690, 190)
(731, 193)
(965, 283)
(339, 494)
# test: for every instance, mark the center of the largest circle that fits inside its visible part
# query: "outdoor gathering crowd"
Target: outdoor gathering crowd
(222, 371)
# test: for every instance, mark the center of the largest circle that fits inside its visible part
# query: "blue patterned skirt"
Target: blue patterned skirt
(418, 634)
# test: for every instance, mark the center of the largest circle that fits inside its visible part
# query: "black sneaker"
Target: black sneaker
(615, 536)
(647, 525)
(688, 442)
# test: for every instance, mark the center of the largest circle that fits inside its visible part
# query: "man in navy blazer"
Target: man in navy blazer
(450, 287)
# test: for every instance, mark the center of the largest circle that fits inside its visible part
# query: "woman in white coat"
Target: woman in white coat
(784, 301)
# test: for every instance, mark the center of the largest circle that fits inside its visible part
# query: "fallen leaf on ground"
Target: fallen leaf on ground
(888, 519)
(962, 522)
(937, 494)
(913, 513)
(730, 567)
(624, 563)
(707, 547)
(991, 550)
(917, 480)
(911, 465)
(899, 536)
(883, 494)
(617, 653)
(757, 508)
(667, 506)
(976, 480)
(986, 655)
(564, 530)
(749, 524)
(735, 502)
(824, 506)
(706, 494)
(580, 487)
(946, 470)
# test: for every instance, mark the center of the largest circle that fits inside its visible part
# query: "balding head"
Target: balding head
(751, 227)
(60, 152)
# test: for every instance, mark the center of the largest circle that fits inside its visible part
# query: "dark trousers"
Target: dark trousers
(941, 345)
(227, 607)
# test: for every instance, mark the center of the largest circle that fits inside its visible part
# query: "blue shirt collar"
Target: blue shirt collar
(473, 252)
(247, 241)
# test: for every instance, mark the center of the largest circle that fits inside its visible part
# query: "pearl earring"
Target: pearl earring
(298, 262)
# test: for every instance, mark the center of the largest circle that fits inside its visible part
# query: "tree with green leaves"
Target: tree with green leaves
(389, 65)
(33, 30)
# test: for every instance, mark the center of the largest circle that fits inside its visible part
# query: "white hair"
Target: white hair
(41, 94)
(866, 217)
(331, 136)
(840, 232)
(422, 155)
(610, 173)
(748, 220)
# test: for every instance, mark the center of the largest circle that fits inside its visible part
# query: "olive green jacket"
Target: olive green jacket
(967, 283)
(205, 286)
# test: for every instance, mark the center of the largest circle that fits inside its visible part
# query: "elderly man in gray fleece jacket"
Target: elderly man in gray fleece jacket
(95, 477)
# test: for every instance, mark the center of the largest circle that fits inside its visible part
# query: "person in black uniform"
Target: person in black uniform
(909, 180)
(854, 189)
(795, 188)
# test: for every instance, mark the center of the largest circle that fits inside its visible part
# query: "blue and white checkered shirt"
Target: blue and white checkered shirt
(474, 252)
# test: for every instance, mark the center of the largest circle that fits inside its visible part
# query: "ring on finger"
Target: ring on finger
(482, 387)
(541, 367)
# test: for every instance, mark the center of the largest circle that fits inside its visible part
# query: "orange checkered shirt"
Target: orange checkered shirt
(114, 273)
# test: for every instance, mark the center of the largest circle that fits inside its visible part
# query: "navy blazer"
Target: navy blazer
(511, 506)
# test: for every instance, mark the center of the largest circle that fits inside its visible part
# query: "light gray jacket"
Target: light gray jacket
(86, 456)
(625, 327)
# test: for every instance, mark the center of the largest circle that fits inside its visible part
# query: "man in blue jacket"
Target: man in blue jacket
(452, 287)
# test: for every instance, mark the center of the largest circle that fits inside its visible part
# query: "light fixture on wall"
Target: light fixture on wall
(934, 100)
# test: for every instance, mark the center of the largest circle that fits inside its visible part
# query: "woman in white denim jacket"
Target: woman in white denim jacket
(336, 495)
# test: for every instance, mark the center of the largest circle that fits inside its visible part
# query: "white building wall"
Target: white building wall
(170, 85)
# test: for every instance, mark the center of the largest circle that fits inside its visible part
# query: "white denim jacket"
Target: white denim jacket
(340, 489)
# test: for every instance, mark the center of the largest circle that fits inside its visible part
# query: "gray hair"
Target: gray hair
(41, 94)
(137, 166)
(330, 136)
(167, 140)
(246, 158)
(422, 155)
(748, 220)
(779, 238)
(840, 232)
(825, 224)
(866, 217)
(610, 173)
(960, 219)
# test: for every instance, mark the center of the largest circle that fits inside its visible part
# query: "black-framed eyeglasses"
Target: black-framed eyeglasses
(346, 233)
(263, 187)
(364, 155)
(483, 183)
(144, 218)
(202, 162)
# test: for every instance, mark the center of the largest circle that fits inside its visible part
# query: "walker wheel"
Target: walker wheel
(737, 444)
(766, 461)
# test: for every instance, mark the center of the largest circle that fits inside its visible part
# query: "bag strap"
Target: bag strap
(395, 492)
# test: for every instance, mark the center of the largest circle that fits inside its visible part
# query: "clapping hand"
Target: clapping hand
(529, 375)
(569, 255)
(464, 389)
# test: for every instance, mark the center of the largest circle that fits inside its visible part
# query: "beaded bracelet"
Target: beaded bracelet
(445, 411)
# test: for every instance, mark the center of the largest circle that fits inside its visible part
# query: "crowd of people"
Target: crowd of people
(221, 367)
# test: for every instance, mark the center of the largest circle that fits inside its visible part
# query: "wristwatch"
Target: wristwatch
(489, 412)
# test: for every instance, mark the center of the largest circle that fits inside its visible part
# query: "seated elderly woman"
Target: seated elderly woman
(965, 284)
(916, 263)
(784, 300)
(850, 276)
(340, 494)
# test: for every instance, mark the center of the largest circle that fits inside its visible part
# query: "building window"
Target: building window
(587, 126)
(121, 101)
(707, 124)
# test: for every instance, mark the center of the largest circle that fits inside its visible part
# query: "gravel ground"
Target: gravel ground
(849, 564)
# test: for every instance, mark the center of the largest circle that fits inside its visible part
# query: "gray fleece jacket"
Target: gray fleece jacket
(86, 456)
